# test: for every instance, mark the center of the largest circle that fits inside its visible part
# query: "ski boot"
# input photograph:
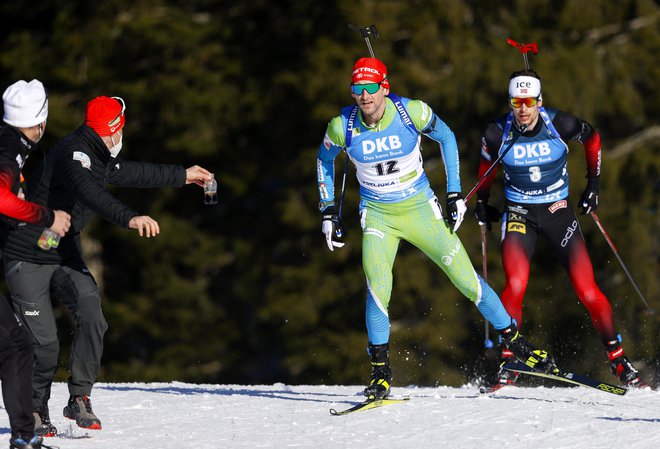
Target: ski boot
(42, 425)
(79, 409)
(381, 373)
(504, 376)
(524, 351)
(621, 366)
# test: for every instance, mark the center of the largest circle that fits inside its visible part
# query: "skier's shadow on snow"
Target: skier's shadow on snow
(607, 418)
(530, 398)
(274, 394)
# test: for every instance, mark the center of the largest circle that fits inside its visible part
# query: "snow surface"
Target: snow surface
(188, 416)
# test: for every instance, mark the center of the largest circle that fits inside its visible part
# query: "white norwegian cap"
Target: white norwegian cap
(524, 86)
(25, 104)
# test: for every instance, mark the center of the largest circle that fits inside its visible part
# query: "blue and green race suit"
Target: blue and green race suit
(398, 203)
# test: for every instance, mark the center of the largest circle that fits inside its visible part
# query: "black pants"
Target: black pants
(16, 357)
(30, 286)
(558, 224)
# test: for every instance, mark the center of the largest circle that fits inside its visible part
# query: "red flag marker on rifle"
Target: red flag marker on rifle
(524, 49)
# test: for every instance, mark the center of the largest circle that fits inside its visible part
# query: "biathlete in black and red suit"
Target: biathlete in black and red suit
(537, 203)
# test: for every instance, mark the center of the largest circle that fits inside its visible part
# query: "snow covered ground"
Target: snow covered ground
(187, 416)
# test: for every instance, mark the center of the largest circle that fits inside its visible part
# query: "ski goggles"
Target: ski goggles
(371, 88)
(527, 101)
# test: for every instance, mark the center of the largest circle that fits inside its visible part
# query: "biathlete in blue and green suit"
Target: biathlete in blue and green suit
(381, 134)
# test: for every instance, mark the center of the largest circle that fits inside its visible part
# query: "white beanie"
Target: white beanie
(25, 104)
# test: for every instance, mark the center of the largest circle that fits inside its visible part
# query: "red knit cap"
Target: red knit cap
(370, 69)
(105, 115)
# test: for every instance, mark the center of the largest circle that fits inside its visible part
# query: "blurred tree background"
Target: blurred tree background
(246, 291)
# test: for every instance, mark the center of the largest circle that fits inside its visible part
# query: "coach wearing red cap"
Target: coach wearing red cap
(73, 178)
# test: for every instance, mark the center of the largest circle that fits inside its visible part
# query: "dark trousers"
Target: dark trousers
(16, 357)
(30, 286)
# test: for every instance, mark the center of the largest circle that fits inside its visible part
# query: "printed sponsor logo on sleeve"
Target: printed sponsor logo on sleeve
(558, 205)
(85, 161)
(425, 112)
(324, 191)
(327, 143)
(516, 227)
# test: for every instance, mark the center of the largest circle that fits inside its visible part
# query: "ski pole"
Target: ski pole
(522, 130)
(339, 230)
(488, 343)
(623, 265)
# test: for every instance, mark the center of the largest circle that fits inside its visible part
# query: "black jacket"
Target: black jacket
(14, 151)
(72, 178)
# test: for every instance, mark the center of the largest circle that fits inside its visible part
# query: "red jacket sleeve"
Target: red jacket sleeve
(18, 209)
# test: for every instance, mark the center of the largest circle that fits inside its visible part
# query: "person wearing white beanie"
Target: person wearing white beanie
(25, 113)
(26, 108)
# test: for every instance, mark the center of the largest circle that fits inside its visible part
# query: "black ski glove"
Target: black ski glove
(455, 209)
(589, 198)
(486, 214)
(332, 227)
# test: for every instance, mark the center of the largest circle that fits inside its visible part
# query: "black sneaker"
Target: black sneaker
(524, 351)
(79, 409)
(20, 443)
(42, 425)
(381, 373)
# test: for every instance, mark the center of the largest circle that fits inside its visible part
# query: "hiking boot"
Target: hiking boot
(42, 425)
(381, 373)
(20, 443)
(79, 408)
(524, 351)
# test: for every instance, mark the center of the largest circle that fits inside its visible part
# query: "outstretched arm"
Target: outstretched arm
(198, 175)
